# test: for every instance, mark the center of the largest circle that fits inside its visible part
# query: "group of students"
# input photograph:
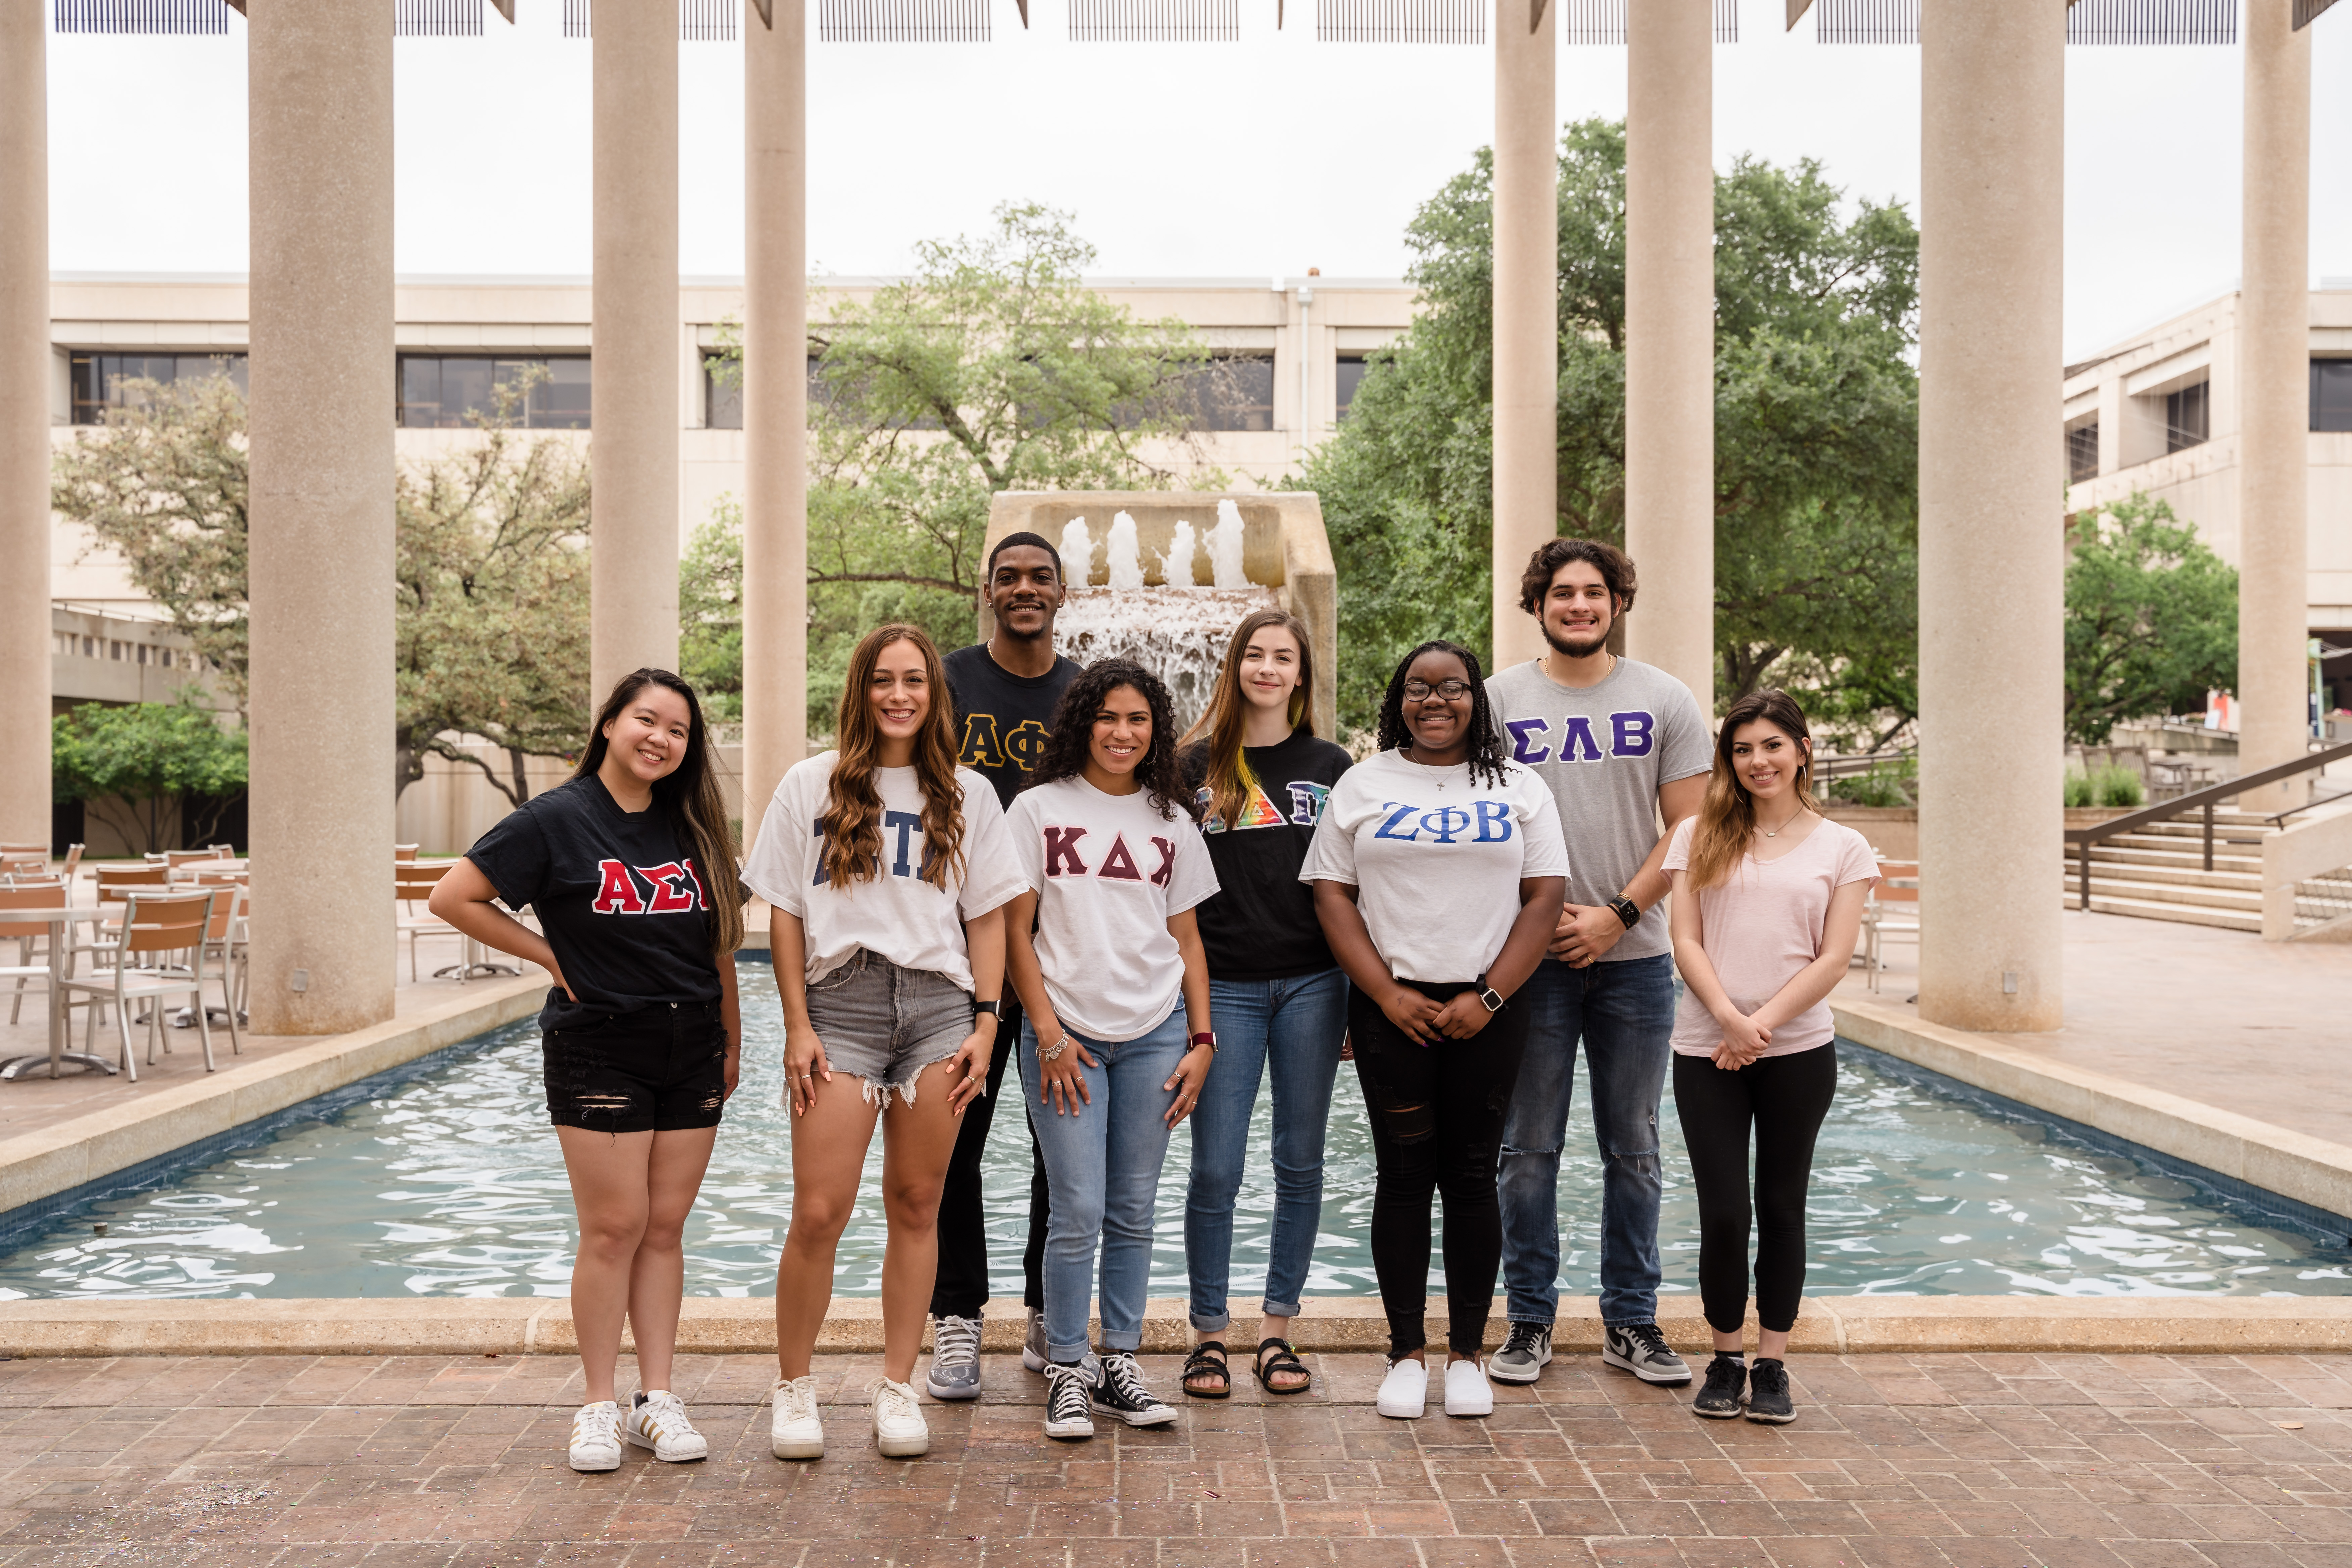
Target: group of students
(1007, 857)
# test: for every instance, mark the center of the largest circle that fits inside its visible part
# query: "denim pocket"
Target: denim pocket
(851, 967)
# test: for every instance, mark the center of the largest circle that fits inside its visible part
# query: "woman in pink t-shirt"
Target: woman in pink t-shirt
(1768, 902)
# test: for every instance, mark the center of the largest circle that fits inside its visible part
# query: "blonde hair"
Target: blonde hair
(852, 812)
(1218, 728)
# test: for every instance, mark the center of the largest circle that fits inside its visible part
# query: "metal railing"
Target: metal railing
(2202, 801)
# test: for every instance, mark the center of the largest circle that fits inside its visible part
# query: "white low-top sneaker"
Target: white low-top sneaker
(1404, 1392)
(899, 1430)
(795, 1431)
(1468, 1391)
(597, 1437)
(658, 1420)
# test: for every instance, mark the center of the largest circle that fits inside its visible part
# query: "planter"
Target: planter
(1893, 830)
(2093, 815)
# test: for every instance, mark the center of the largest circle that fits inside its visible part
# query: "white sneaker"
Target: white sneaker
(1404, 1392)
(597, 1437)
(899, 1430)
(1068, 1402)
(658, 1421)
(795, 1431)
(1468, 1391)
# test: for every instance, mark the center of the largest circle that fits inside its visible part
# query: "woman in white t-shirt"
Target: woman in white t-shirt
(1768, 902)
(1107, 835)
(889, 869)
(1439, 872)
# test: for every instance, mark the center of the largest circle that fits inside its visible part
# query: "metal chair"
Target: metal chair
(27, 935)
(159, 928)
(225, 937)
(413, 884)
(1893, 910)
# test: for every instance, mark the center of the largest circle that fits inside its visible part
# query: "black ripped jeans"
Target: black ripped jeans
(1437, 1130)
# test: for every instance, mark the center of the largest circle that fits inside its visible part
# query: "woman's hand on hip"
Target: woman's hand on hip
(1189, 1074)
(1060, 1084)
(1461, 1017)
(1412, 1012)
(968, 1068)
(805, 1068)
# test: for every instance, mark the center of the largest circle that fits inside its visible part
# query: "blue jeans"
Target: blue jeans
(1624, 1013)
(1102, 1167)
(1296, 1024)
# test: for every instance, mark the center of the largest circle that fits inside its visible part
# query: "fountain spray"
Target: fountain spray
(1176, 566)
(1123, 554)
(1078, 552)
(1225, 547)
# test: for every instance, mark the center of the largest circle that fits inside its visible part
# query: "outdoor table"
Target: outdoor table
(61, 920)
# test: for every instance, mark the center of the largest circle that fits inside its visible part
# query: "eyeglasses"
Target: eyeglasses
(1422, 690)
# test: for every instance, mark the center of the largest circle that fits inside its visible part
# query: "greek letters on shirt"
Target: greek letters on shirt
(1019, 747)
(1631, 734)
(1065, 856)
(669, 889)
(1477, 821)
(1306, 799)
(901, 827)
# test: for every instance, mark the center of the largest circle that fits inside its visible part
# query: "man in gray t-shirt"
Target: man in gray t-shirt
(1622, 746)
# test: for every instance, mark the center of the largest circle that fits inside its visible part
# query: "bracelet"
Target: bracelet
(1205, 1038)
(1059, 1047)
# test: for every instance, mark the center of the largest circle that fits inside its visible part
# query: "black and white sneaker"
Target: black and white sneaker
(1523, 1356)
(1768, 1394)
(1722, 1395)
(1119, 1391)
(1641, 1350)
(1066, 1412)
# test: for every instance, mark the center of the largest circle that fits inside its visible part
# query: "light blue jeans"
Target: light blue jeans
(1295, 1024)
(1102, 1167)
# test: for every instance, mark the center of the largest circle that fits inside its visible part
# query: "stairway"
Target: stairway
(2159, 872)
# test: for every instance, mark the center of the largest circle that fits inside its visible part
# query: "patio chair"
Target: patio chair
(413, 884)
(175, 858)
(1893, 912)
(225, 938)
(23, 865)
(154, 875)
(168, 931)
(28, 936)
(404, 852)
(72, 867)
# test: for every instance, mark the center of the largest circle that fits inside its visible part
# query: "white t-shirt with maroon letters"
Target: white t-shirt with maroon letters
(1108, 870)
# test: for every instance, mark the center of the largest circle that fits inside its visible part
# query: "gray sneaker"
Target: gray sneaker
(1641, 1350)
(1032, 1348)
(1523, 1356)
(955, 1359)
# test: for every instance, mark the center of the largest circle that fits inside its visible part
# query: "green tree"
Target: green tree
(2151, 618)
(154, 772)
(1816, 425)
(711, 611)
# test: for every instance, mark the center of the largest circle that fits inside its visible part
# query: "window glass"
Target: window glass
(1349, 375)
(2082, 452)
(1232, 392)
(2331, 394)
(2185, 417)
(723, 405)
(99, 378)
(455, 392)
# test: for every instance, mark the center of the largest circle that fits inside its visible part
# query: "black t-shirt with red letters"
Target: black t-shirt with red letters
(618, 894)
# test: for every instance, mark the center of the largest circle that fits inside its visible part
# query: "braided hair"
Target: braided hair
(1486, 759)
(1069, 745)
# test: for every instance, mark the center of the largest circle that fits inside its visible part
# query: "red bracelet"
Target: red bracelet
(1206, 1037)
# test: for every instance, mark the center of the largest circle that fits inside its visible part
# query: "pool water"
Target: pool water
(451, 1185)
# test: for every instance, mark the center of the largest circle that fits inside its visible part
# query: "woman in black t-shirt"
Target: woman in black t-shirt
(630, 866)
(1277, 997)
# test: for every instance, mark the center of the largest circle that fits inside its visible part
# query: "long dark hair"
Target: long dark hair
(1486, 759)
(853, 815)
(688, 795)
(1218, 728)
(1726, 816)
(1074, 723)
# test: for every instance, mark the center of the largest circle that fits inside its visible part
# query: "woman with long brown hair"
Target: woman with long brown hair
(1768, 902)
(1277, 996)
(630, 867)
(887, 868)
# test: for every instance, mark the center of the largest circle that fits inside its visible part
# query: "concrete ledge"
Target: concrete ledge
(1830, 1325)
(2260, 1154)
(59, 1158)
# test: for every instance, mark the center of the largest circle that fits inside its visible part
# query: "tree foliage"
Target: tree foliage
(140, 766)
(711, 612)
(1816, 425)
(2151, 618)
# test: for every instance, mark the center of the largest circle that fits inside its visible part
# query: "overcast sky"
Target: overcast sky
(1256, 159)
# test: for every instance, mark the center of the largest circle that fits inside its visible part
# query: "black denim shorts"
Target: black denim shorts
(659, 1070)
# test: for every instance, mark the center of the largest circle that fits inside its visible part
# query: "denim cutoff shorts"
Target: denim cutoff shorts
(885, 1024)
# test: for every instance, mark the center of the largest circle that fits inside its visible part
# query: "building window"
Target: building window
(2331, 394)
(97, 379)
(723, 404)
(1347, 376)
(2187, 416)
(1232, 392)
(456, 392)
(2083, 451)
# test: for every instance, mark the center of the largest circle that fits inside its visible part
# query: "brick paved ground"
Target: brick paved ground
(1987, 1461)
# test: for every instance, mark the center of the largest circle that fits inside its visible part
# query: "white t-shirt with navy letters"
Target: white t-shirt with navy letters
(1436, 859)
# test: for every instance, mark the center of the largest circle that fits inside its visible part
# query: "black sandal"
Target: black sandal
(1201, 1363)
(1287, 1362)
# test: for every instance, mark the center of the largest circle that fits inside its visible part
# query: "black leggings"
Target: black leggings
(1784, 1098)
(1437, 1128)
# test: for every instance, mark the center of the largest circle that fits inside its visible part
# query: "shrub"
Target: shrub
(1885, 785)
(2078, 789)
(2120, 786)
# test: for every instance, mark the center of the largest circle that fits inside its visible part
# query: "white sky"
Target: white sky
(1255, 159)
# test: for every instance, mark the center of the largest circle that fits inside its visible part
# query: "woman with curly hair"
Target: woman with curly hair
(1101, 948)
(1439, 873)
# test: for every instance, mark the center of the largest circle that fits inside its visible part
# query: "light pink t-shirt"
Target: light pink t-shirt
(1762, 924)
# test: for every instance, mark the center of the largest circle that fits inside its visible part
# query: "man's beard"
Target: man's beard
(1584, 649)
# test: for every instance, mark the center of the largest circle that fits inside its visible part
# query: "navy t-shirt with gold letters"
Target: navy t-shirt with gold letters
(1002, 719)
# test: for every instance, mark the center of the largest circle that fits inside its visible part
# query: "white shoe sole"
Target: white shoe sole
(594, 1467)
(1160, 1416)
(955, 1391)
(797, 1447)
(1659, 1379)
(1031, 1361)
(655, 1449)
(1501, 1373)
(903, 1448)
(1396, 1408)
(1069, 1431)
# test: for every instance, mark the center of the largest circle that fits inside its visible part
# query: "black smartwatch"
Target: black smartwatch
(1627, 911)
(994, 1009)
(1489, 995)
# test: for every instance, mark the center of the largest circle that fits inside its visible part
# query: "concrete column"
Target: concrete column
(321, 539)
(775, 402)
(1527, 312)
(1670, 337)
(23, 425)
(1991, 482)
(633, 452)
(2273, 405)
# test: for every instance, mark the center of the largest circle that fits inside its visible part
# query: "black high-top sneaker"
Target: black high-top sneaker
(1119, 1390)
(1066, 1415)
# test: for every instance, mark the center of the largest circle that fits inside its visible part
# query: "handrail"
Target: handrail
(2204, 799)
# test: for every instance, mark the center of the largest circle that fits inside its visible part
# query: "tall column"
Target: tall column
(775, 402)
(1670, 337)
(320, 524)
(633, 453)
(1527, 311)
(1991, 489)
(23, 425)
(2273, 406)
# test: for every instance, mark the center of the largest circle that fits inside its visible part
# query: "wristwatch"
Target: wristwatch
(1205, 1038)
(1489, 995)
(994, 1009)
(1626, 910)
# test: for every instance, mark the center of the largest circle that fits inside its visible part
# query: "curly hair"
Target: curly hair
(1067, 747)
(1486, 760)
(1616, 569)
